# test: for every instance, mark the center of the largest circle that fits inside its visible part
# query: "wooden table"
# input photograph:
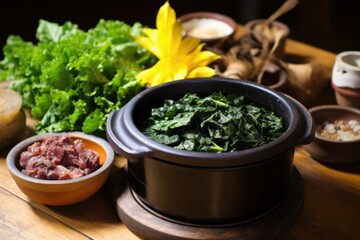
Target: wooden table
(331, 207)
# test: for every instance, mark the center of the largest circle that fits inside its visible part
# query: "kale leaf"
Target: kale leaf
(216, 123)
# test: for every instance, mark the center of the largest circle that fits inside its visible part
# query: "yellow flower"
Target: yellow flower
(178, 57)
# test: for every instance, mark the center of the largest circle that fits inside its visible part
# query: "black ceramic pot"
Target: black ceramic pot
(209, 188)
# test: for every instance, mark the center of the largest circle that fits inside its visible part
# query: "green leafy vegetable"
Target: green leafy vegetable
(72, 79)
(216, 123)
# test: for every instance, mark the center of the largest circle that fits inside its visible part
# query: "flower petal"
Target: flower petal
(164, 23)
(179, 57)
(148, 44)
(166, 17)
(199, 58)
(169, 41)
(201, 72)
(176, 37)
(150, 76)
(188, 45)
(151, 33)
(204, 58)
(179, 71)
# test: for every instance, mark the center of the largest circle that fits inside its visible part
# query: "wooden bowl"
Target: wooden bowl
(275, 26)
(62, 192)
(275, 78)
(333, 151)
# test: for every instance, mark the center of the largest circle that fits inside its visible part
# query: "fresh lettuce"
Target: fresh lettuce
(72, 79)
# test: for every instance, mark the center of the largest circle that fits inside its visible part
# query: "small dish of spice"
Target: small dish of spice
(339, 130)
(337, 135)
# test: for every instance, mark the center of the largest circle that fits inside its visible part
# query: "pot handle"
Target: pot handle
(121, 139)
(306, 130)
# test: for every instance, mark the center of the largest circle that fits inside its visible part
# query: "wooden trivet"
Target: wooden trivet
(149, 226)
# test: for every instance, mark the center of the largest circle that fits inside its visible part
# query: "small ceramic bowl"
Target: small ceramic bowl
(346, 70)
(269, 34)
(346, 78)
(334, 151)
(210, 27)
(62, 192)
(275, 78)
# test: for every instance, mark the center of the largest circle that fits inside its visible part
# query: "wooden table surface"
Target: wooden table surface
(331, 207)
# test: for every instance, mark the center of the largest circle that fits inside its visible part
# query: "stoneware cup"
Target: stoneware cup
(346, 78)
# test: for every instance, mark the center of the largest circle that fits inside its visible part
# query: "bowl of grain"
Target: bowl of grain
(337, 135)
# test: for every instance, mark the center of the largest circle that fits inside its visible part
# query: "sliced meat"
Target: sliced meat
(59, 157)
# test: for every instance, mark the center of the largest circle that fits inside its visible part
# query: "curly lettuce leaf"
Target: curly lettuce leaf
(72, 79)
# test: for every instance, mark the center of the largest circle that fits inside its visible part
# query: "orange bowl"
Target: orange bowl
(62, 192)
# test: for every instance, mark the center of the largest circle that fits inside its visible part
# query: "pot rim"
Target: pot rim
(150, 148)
(341, 57)
(252, 23)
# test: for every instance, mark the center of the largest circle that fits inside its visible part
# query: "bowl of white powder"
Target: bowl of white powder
(210, 27)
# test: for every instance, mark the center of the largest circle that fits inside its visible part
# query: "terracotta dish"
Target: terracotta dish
(347, 97)
(62, 192)
(334, 151)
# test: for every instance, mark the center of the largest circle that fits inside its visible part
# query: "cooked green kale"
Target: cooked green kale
(216, 123)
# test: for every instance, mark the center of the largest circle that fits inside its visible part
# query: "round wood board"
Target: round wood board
(149, 226)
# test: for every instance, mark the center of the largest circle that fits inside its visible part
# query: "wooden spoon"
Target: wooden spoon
(264, 27)
(284, 8)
